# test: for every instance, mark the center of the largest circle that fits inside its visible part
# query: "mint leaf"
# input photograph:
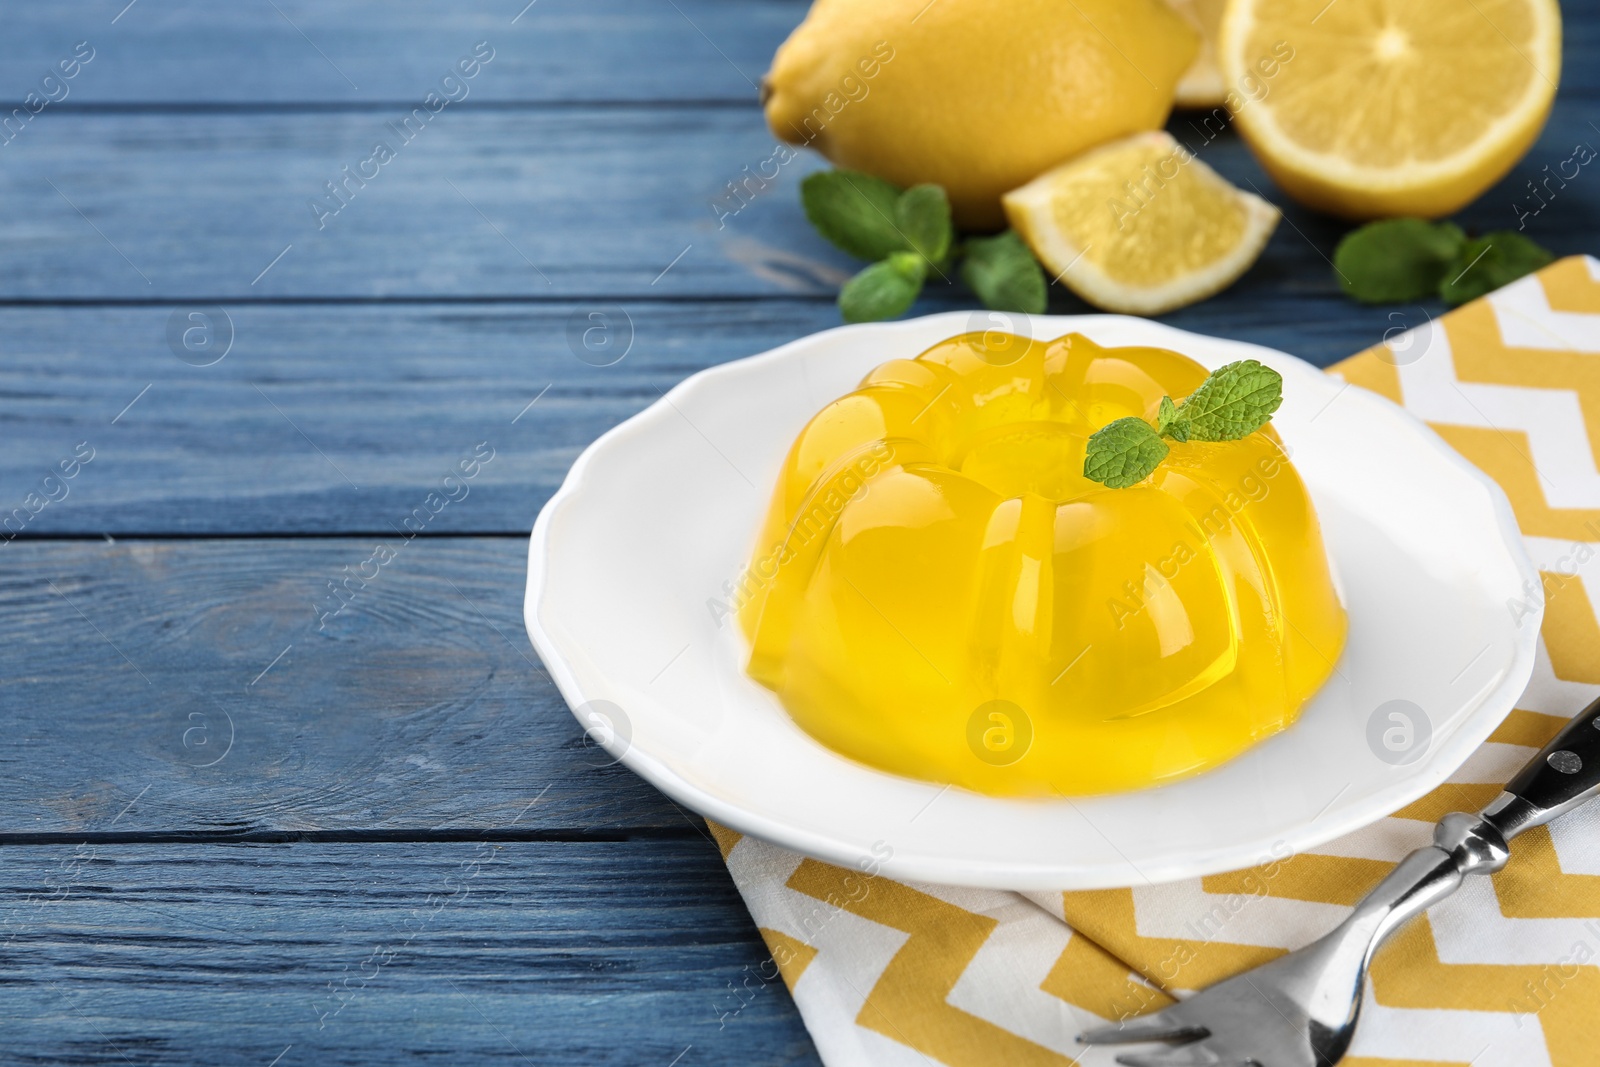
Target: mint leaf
(883, 290)
(853, 210)
(923, 216)
(1004, 274)
(1123, 453)
(1485, 263)
(1234, 402)
(1397, 261)
(1171, 424)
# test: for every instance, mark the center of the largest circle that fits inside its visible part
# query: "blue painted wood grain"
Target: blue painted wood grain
(470, 952)
(389, 397)
(252, 54)
(224, 687)
(566, 203)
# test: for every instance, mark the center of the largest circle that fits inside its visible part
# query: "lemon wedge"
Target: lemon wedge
(1140, 225)
(1386, 108)
(1201, 85)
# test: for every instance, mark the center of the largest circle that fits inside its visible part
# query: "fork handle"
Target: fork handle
(1564, 774)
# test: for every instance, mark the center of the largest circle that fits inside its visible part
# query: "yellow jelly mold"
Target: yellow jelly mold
(939, 592)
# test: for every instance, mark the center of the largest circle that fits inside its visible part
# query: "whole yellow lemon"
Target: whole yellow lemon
(979, 96)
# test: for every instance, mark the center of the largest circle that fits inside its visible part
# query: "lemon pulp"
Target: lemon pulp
(938, 592)
(1141, 225)
(1369, 107)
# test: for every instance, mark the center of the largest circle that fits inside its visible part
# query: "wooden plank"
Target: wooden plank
(388, 396)
(217, 687)
(368, 51)
(557, 50)
(478, 203)
(313, 954)
(632, 203)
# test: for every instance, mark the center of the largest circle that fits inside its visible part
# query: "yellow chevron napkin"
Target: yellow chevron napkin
(1506, 973)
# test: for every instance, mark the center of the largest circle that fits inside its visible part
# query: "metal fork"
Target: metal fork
(1300, 1010)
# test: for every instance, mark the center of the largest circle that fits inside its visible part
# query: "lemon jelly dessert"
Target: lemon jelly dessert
(939, 592)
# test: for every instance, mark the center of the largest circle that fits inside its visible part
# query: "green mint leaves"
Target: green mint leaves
(855, 211)
(922, 215)
(1004, 274)
(1493, 260)
(908, 235)
(1123, 453)
(1234, 402)
(1168, 424)
(1397, 261)
(883, 290)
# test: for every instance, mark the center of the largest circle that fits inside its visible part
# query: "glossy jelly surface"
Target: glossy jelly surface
(939, 592)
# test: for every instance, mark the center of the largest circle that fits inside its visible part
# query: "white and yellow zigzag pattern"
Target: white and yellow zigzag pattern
(1504, 974)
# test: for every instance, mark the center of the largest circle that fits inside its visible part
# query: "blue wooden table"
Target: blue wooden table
(264, 799)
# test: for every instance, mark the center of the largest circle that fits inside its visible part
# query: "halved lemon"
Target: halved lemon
(1140, 225)
(1368, 108)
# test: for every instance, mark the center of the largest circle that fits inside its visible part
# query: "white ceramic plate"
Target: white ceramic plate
(657, 514)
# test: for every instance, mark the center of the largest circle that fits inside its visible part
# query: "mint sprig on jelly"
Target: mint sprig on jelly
(1233, 403)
